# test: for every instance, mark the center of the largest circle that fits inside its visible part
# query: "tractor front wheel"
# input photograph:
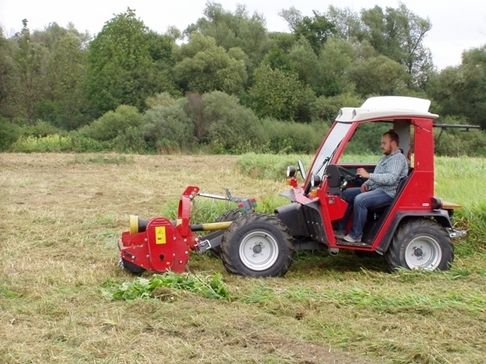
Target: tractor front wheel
(257, 245)
(420, 244)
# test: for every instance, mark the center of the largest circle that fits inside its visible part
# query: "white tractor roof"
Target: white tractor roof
(387, 107)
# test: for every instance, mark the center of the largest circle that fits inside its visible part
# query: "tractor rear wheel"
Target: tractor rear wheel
(257, 245)
(420, 244)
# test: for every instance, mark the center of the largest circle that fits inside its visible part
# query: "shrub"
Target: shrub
(113, 123)
(41, 128)
(130, 140)
(232, 128)
(291, 137)
(81, 143)
(9, 132)
(49, 143)
(326, 108)
(168, 128)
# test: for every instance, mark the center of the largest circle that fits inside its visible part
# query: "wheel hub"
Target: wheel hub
(423, 252)
(258, 250)
(418, 252)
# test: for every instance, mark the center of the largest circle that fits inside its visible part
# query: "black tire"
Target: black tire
(420, 244)
(257, 245)
(230, 215)
(132, 268)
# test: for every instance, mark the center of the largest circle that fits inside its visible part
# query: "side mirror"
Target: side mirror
(290, 171)
(301, 169)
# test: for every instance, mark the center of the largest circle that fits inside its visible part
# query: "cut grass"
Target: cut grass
(60, 220)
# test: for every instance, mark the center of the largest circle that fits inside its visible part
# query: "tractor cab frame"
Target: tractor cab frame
(318, 204)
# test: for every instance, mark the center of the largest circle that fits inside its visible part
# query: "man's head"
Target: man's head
(389, 142)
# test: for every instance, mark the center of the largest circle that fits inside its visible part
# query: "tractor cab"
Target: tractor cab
(318, 204)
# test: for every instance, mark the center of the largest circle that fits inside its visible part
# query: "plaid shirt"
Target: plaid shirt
(388, 172)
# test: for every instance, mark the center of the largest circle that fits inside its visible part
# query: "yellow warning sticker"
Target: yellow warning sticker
(160, 237)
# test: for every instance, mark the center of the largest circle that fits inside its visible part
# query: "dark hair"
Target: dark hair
(393, 135)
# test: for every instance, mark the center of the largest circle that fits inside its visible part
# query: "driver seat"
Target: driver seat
(377, 215)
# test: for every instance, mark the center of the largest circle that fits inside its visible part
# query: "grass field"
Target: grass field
(62, 214)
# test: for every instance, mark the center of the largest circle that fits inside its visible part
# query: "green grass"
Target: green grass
(62, 215)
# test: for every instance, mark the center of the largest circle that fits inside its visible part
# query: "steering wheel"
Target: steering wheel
(350, 177)
(347, 172)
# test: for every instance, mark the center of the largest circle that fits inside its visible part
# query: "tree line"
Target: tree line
(225, 83)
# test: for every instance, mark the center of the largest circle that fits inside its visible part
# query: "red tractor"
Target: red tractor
(412, 232)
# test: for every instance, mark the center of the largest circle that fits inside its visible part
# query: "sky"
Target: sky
(456, 25)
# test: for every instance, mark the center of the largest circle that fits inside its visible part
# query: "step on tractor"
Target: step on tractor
(414, 231)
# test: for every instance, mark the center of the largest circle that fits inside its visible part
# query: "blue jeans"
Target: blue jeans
(359, 203)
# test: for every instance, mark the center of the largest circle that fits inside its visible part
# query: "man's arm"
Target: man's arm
(394, 168)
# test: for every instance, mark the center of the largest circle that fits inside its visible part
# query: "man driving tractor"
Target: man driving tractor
(379, 189)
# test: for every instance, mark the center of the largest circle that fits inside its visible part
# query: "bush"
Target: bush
(40, 128)
(81, 143)
(457, 143)
(113, 123)
(130, 140)
(232, 128)
(326, 108)
(9, 132)
(49, 143)
(168, 128)
(291, 137)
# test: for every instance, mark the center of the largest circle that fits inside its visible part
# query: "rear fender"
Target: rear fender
(441, 216)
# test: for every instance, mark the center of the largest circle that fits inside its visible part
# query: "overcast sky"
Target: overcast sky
(456, 25)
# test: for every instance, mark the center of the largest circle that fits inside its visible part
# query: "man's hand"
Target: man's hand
(362, 173)
(364, 188)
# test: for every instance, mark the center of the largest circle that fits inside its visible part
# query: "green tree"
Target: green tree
(126, 64)
(205, 67)
(30, 62)
(399, 34)
(281, 95)
(316, 29)
(348, 24)
(8, 79)
(304, 62)
(336, 60)
(62, 102)
(461, 90)
(234, 30)
(379, 76)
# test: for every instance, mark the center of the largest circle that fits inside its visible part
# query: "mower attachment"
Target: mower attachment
(160, 244)
(159, 248)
